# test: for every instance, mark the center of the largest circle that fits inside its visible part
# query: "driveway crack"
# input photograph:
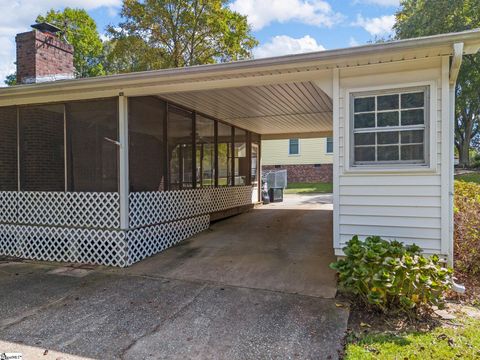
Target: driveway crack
(169, 318)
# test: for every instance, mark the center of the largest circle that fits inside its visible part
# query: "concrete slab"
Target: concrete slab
(130, 317)
(281, 247)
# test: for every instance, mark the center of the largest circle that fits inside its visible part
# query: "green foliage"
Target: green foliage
(390, 276)
(429, 17)
(11, 80)
(158, 34)
(467, 227)
(80, 30)
(469, 177)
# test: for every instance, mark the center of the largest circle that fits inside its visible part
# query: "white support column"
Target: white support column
(336, 156)
(123, 157)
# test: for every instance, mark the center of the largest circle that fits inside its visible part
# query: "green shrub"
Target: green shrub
(467, 227)
(390, 276)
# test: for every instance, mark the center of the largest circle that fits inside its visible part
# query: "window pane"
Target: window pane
(387, 153)
(364, 120)
(329, 145)
(180, 148)
(146, 117)
(293, 148)
(390, 137)
(412, 117)
(224, 155)
(413, 100)
(205, 151)
(91, 159)
(412, 136)
(241, 163)
(387, 102)
(365, 153)
(8, 149)
(364, 104)
(387, 118)
(412, 152)
(42, 158)
(365, 139)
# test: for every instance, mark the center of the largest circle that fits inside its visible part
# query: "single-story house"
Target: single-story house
(306, 160)
(113, 169)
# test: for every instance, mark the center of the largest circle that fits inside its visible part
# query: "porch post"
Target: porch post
(123, 160)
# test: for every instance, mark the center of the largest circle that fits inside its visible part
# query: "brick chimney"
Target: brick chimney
(43, 56)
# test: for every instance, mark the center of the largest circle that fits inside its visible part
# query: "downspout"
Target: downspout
(455, 65)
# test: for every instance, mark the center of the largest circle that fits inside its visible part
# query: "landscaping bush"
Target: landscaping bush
(390, 276)
(467, 227)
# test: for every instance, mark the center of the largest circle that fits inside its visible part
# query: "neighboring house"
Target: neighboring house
(113, 169)
(306, 160)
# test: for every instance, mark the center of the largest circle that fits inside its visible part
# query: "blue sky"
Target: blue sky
(281, 26)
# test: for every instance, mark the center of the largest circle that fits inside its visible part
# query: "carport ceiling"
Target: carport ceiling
(288, 108)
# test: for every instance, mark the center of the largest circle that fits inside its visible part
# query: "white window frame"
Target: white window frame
(326, 145)
(428, 166)
(298, 146)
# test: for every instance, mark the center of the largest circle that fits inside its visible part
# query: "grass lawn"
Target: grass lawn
(309, 188)
(457, 339)
(470, 177)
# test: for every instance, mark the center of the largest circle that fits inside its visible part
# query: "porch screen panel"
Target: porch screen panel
(8, 149)
(42, 151)
(224, 155)
(205, 132)
(180, 148)
(241, 160)
(255, 160)
(92, 159)
(146, 155)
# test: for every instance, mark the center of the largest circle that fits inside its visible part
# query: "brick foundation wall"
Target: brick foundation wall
(305, 173)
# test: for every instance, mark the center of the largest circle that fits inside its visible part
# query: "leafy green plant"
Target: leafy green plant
(391, 276)
(467, 227)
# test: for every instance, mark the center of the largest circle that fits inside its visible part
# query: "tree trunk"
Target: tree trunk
(464, 153)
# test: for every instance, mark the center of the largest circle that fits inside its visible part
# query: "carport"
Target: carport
(390, 108)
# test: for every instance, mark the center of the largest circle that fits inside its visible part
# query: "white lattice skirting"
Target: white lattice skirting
(85, 227)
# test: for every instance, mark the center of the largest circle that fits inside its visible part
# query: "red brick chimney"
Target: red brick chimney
(43, 56)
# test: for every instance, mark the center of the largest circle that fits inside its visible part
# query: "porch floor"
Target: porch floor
(283, 247)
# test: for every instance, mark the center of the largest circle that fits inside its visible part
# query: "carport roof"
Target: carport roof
(218, 89)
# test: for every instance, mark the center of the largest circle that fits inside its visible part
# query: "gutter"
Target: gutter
(455, 65)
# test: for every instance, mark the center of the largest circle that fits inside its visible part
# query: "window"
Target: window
(329, 149)
(224, 155)
(390, 128)
(8, 149)
(146, 118)
(92, 156)
(293, 147)
(205, 129)
(255, 157)
(42, 150)
(241, 163)
(180, 148)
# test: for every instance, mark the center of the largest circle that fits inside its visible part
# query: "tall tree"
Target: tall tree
(80, 30)
(429, 17)
(11, 79)
(177, 33)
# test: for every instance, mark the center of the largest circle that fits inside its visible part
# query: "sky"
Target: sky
(281, 26)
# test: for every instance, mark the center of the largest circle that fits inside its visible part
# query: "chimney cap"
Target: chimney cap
(46, 27)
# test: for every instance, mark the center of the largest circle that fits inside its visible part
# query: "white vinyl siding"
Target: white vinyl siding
(403, 204)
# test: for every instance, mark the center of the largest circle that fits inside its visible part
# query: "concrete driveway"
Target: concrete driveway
(195, 301)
